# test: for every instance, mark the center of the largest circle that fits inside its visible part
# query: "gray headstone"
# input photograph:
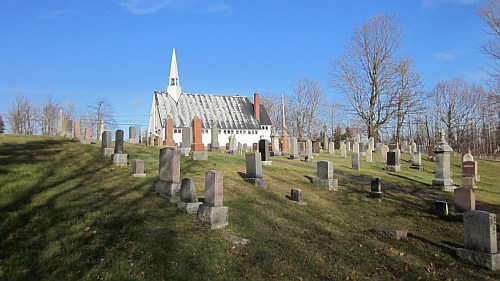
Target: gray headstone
(214, 188)
(187, 137)
(309, 151)
(383, 153)
(294, 148)
(264, 150)
(170, 164)
(331, 149)
(253, 165)
(442, 152)
(355, 161)
(343, 150)
(325, 169)
(214, 137)
(464, 199)
(188, 191)
(355, 147)
(441, 208)
(119, 142)
(376, 185)
(138, 168)
(296, 195)
(480, 231)
(106, 139)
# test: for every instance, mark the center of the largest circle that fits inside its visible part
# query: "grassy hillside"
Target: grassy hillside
(67, 213)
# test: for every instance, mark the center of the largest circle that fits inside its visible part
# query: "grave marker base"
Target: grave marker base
(417, 167)
(190, 208)
(107, 151)
(267, 163)
(259, 182)
(120, 159)
(443, 184)
(185, 151)
(169, 190)
(275, 153)
(215, 217)
(490, 261)
(85, 141)
(376, 195)
(391, 168)
(309, 159)
(331, 184)
(294, 157)
(198, 155)
(214, 149)
(139, 175)
(134, 141)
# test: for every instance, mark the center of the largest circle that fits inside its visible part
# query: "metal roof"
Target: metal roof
(229, 112)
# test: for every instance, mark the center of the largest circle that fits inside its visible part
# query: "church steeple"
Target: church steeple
(174, 88)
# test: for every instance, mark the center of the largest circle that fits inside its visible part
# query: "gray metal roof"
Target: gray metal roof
(230, 112)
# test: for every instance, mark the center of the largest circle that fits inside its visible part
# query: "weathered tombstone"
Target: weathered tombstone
(343, 150)
(325, 176)
(348, 146)
(294, 149)
(441, 208)
(325, 141)
(358, 138)
(414, 147)
(468, 182)
(430, 153)
(140, 136)
(119, 158)
(77, 130)
(254, 170)
(369, 155)
(442, 179)
(467, 156)
(417, 161)
(296, 196)
(480, 239)
(187, 137)
(286, 146)
(309, 152)
(469, 169)
(371, 144)
(138, 168)
(131, 135)
(331, 149)
(189, 200)
(275, 145)
(86, 136)
(264, 153)
(169, 132)
(464, 199)
(212, 212)
(393, 162)
(168, 183)
(405, 147)
(316, 147)
(151, 138)
(106, 148)
(214, 144)
(355, 147)
(197, 147)
(302, 148)
(383, 153)
(232, 145)
(362, 151)
(240, 148)
(376, 189)
(255, 147)
(393, 146)
(355, 161)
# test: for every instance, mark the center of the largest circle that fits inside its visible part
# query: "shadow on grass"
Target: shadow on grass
(410, 179)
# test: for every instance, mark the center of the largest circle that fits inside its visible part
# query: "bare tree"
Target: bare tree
(48, 117)
(22, 116)
(490, 14)
(100, 113)
(367, 72)
(306, 107)
(272, 104)
(2, 125)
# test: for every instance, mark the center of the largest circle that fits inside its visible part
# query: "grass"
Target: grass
(67, 213)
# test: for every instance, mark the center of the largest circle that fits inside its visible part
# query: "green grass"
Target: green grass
(67, 213)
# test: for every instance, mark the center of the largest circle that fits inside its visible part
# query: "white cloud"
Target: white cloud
(142, 7)
(217, 7)
(136, 102)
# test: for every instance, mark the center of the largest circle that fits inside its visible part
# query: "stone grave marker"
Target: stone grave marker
(106, 148)
(355, 147)
(189, 200)
(369, 155)
(286, 144)
(294, 149)
(77, 130)
(362, 151)
(464, 199)
(343, 150)
(86, 136)
(355, 161)
(232, 145)
(469, 169)
(187, 138)
(325, 176)
(138, 168)
(442, 179)
(441, 208)
(480, 239)
(212, 212)
(169, 132)
(430, 153)
(296, 196)
(331, 149)
(393, 162)
(383, 153)
(309, 152)
(119, 158)
(417, 161)
(316, 147)
(198, 152)
(264, 152)
(131, 135)
(254, 170)
(168, 183)
(376, 189)
(214, 145)
(275, 145)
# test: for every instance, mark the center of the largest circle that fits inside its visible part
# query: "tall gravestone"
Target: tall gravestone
(232, 145)
(464, 199)
(331, 149)
(86, 136)
(416, 161)
(131, 135)
(187, 138)
(393, 162)
(355, 147)
(286, 144)
(442, 152)
(197, 147)
(358, 138)
(369, 155)
(355, 161)
(325, 176)
(169, 132)
(253, 162)
(275, 145)
(139, 139)
(77, 130)
(325, 141)
(376, 189)
(106, 148)
(138, 168)
(383, 153)
(361, 149)
(264, 152)
(168, 183)
(119, 158)
(214, 145)
(188, 199)
(343, 150)
(480, 239)
(212, 212)
(294, 149)
(309, 152)
(371, 144)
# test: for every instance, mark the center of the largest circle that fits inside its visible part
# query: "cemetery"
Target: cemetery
(121, 210)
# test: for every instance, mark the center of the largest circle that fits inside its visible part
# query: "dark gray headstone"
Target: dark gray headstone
(375, 185)
(186, 137)
(119, 142)
(188, 191)
(264, 150)
(441, 208)
(106, 139)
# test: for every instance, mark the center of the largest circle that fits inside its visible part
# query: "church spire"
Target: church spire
(174, 88)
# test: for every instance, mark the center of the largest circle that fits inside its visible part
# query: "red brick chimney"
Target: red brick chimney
(256, 105)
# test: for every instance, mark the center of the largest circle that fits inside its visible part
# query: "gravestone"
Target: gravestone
(168, 183)
(77, 130)
(187, 137)
(309, 152)
(383, 153)
(480, 239)
(325, 141)
(348, 146)
(331, 149)
(286, 143)
(371, 144)
(131, 135)
(393, 162)
(106, 148)
(198, 152)
(417, 161)
(393, 146)
(119, 158)
(469, 169)
(302, 148)
(464, 199)
(468, 182)
(188, 199)
(343, 150)
(316, 147)
(264, 153)
(355, 161)
(369, 155)
(358, 138)
(138, 168)
(275, 145)
(232, 145)
(376, 189)
(254, 170)
(140, 136)
(255, 147)
(430, 153)
(294, 149)
(442, 179)
(362, 151)
(325, 176)
(169, 132)
(405, 148)
(214, 144)
(355, 147)
(240, 148)
(467, 157)
(212, 212)
(441, 208)
(86, 136)
(296, 196)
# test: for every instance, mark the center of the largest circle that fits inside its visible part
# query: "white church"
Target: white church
(233, 115)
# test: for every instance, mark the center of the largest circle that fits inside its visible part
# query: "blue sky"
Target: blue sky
(82, 51)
